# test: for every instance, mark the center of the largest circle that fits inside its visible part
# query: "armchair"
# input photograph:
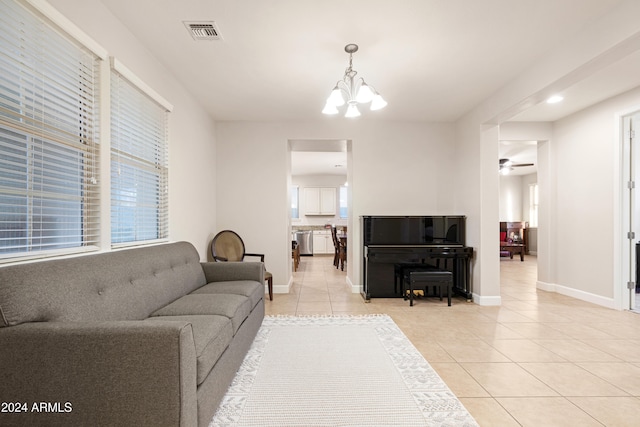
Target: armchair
(227, 245)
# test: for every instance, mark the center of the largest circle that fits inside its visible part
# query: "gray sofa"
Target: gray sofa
(148, 336)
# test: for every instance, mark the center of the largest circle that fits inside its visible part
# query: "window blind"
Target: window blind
(139, 165)
(49, 192)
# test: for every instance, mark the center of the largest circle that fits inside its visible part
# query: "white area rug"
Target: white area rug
(337, 371)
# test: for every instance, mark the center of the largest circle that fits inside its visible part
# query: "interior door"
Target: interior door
(631, 133)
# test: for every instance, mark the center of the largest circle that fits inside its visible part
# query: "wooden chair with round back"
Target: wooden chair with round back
(227, 245)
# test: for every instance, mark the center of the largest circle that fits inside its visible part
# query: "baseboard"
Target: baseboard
(577, 294)
(281, 289)
(544, 286)
(487, 301)
(355, 289)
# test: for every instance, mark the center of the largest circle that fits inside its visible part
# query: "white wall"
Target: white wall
(514, 197)
(586, 149)
(527, 181)
(192, 150)
(511, 198)
(395, 168)
(477, 195)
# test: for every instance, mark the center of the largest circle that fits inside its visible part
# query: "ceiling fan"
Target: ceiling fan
(507, 165)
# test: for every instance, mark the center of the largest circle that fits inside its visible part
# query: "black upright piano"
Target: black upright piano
(435, 240)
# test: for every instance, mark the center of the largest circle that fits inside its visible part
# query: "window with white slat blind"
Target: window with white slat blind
(139, 165)
(49, 191)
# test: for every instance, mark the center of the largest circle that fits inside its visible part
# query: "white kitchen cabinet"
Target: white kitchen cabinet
(320, 200)
(322, 242)
(328, 201)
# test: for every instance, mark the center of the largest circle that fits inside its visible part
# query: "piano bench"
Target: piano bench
(399, 270)
(426, 276)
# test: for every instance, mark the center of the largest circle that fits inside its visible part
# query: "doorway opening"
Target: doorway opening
(518, 207)
(320, 196)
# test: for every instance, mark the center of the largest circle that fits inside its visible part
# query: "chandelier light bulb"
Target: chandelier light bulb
(352, 111)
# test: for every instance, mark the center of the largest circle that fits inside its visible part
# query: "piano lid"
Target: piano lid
(444, 230)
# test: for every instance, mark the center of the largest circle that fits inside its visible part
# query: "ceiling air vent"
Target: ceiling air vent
(203, 30)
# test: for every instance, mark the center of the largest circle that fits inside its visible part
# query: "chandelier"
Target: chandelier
(352, 91)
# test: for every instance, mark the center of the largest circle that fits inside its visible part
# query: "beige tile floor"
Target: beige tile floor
(541, 359)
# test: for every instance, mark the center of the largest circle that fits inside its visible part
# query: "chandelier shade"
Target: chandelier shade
(364, 94)
(352, 90)
(336, 98)
(377, 103)
(352, 111)
(330, 109)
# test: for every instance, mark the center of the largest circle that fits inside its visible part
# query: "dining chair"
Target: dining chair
(340, 255)
(227, 245)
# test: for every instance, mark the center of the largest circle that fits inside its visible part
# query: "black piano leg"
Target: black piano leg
(410, 292)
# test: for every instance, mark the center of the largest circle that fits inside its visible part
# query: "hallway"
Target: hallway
(541, 359)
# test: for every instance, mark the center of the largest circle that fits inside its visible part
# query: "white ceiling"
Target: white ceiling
(432, 60)
(318, 157)
(615, 79)
(318, 163)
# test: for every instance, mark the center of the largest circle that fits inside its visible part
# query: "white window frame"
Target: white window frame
(139, 160)
(50, 159)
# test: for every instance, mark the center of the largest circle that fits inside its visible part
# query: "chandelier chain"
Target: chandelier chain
(350, 72)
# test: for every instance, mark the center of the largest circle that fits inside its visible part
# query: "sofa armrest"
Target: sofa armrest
(229, 271)
(99, 373)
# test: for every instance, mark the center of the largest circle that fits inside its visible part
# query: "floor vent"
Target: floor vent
(204, 30)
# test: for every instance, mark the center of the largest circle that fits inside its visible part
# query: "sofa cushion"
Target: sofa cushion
(211, 334)
(249, 288)
(234, 307)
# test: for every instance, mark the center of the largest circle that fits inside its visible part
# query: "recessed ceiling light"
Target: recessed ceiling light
(554, 99)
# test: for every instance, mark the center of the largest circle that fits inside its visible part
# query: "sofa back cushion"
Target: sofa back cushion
(119, 285)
